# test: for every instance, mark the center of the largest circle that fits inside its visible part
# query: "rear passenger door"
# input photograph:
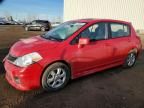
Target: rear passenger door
(120, 40)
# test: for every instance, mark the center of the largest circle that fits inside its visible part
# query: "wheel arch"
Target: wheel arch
(135, 50)
(57, 61)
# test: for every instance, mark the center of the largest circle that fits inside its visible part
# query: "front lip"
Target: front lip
(16, 86)
(28, 79)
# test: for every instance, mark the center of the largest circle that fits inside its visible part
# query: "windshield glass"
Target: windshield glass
(63, 31)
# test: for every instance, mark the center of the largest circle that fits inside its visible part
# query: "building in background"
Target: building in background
(127, 10)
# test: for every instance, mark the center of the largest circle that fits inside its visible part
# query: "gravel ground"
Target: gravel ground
(112, 88)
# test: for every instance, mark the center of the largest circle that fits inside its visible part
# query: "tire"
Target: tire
(130, 60)
(55, 77)
(43, 29)
(26, 28)
(49, 27)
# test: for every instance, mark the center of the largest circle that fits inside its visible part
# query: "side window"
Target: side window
(33, 22)
(95, 32)
(119, 30)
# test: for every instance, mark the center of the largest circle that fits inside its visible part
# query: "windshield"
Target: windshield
(63, 31)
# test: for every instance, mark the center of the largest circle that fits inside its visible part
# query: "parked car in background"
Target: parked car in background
(9, 23)
(71, 50)
(21, 23)
(42, 25)
(12, 23)
(2, 23)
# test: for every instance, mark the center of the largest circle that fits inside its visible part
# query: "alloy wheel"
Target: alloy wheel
(131, 59)
(56, 78)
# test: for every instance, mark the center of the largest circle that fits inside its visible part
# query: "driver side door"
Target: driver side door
(93, 56)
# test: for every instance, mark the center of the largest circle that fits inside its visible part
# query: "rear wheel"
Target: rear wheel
(130, 60)
(55, 77)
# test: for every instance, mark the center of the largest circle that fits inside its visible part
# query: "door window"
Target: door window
(119, 30)
(33, 22)
(95, 32)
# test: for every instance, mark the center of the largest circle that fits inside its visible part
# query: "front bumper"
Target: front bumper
(23, 79)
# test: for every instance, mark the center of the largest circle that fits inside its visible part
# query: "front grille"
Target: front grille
(11, 58)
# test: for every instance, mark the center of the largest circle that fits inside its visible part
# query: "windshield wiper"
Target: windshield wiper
(51, 38)
(55, 38)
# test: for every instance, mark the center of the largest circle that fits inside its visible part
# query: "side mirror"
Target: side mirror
(83, 41)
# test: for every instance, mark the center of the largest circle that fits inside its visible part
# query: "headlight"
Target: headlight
(27, 59)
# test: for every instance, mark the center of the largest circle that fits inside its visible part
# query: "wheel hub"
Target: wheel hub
(131, 59)
(56, 78)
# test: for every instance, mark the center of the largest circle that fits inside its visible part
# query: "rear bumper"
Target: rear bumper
(23, 79)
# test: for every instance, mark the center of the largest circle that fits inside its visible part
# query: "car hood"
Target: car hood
(34, 44)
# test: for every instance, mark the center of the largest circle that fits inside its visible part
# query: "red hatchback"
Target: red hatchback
(71, 50)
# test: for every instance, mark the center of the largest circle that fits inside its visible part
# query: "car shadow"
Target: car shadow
(3, 53)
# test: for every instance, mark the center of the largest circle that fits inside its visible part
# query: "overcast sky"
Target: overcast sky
(22, 8)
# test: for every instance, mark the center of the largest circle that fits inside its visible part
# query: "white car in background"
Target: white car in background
(3, 22)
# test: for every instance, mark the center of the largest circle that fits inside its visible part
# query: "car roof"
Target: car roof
(100, 20)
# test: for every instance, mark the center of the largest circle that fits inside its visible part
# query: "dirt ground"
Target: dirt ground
(112, 88)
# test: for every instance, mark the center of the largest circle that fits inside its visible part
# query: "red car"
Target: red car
(71, 50)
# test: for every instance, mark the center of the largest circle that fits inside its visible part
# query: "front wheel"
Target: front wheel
(55, 77)
(130, 60)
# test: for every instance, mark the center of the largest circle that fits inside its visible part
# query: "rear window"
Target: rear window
(119, 30)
